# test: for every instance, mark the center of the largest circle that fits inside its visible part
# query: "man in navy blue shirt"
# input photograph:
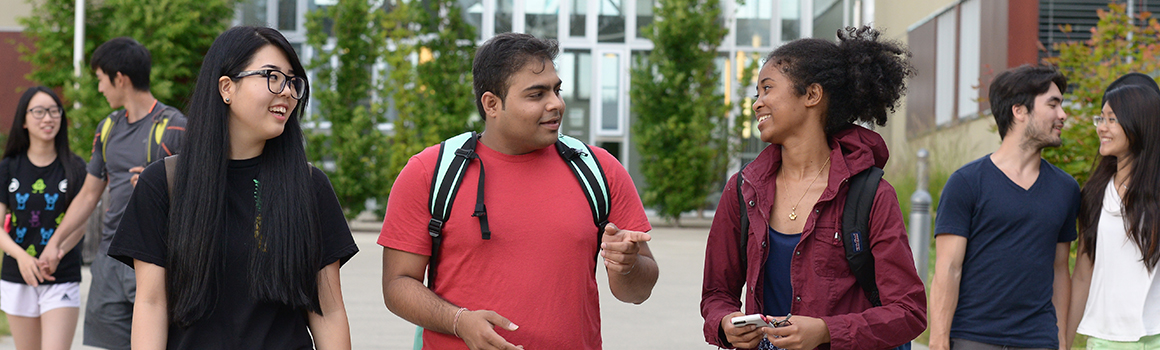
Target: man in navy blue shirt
(1004, 228)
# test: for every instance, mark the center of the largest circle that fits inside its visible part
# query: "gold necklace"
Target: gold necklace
(793, 210)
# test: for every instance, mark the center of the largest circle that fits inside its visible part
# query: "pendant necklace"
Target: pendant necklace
(793, 210)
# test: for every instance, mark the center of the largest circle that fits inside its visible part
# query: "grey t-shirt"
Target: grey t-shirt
(129, 145)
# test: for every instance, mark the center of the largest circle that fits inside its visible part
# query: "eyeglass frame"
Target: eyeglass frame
(46, 112)
(267, 73)
(1097, 120)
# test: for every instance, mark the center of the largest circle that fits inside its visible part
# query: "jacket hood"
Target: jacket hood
(861, 147)
(853, 150)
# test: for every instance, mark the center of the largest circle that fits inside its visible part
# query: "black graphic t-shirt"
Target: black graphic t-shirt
(237, 320)
(36, 200)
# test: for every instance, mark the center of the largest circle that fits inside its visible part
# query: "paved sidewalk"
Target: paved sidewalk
(670, 319)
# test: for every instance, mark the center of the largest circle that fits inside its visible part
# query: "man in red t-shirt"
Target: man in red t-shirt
(537, 269)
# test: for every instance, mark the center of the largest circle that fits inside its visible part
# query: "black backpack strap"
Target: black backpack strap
(856, 230)
(591, 177)
(455, 155)
(744, 245)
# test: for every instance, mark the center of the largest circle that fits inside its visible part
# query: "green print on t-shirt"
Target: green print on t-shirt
(39, 186)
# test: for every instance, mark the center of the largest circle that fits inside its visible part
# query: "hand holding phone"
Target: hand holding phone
(759, 320)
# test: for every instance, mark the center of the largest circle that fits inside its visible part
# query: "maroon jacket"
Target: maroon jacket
(822, 283)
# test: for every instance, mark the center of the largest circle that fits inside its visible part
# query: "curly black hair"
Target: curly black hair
(861, 77)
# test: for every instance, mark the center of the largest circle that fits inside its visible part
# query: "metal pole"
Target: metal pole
(78, 38)
(920, 220)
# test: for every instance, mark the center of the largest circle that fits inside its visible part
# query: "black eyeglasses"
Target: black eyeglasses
(39, 112)
(277, 81)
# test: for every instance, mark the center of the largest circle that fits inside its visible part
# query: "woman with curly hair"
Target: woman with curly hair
(810, 94)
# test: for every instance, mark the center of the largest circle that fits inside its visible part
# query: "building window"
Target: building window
(611, 22)
(578, 23)
(542, 18)
(503, 16)
(473, 14)
(828, 18)
(288, 15)
(575, 68)
(254, 13)
(610, 93)
(970, 30)
(753, 18)
(944, 102)
(644, 16)
(791, 20)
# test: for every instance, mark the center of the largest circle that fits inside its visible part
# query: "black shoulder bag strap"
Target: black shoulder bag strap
(856, 230)
(455, 154)
(744, 245)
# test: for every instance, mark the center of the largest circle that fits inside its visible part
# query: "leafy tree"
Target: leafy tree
(343, 93)
(430, 77)
(176, 43)
(674, 95)
(1117, 47)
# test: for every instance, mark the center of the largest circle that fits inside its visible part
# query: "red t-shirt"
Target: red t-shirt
(538, 268)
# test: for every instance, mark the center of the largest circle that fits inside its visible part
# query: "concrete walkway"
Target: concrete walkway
(670, 319)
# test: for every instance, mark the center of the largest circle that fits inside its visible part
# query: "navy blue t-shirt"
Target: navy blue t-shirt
(1012, 233)
(777, 293)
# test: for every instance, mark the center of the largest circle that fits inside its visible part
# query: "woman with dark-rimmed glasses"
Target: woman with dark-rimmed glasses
(242, 248)
(38, 168)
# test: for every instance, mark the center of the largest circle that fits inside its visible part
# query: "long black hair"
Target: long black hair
(1137, 110)
(285, 261)
(861, 76)
(18, 141)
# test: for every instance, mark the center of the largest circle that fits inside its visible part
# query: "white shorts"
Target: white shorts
(19, 299)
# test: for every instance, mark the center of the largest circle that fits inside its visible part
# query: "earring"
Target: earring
(227, 100)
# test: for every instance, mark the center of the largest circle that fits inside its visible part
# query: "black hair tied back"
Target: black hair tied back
(877, 73)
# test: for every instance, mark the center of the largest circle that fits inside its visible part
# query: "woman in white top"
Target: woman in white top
(1115, 297)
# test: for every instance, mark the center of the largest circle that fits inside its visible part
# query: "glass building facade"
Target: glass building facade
(599, 40)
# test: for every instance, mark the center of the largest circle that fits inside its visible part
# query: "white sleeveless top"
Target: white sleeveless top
(1123, 302)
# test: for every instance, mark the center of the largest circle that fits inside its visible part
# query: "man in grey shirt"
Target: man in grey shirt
(125, 142)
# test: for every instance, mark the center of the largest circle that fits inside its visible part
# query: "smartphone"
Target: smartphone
(759, 320)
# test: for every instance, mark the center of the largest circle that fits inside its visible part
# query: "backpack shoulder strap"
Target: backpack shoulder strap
(591, 176)
(455, 155)
(744, 224)
(856, 230)
(170, 174)
(106, 127)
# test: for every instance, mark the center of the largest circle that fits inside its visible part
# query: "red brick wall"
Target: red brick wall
(12, 72)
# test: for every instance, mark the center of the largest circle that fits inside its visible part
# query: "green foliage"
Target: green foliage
(343, 93)
(680, 115)
(176, 44)
(430, 78)
(1117, 47)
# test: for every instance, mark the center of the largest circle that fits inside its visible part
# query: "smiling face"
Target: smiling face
(1113, 140)
(256, 114)
(44, 129)
(778, 107)
(529, 118)
(1045, 121)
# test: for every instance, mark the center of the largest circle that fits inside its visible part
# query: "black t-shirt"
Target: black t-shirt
(237, 321)
(36, 199)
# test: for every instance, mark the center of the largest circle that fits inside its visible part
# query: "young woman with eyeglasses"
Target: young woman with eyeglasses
(38, 167)
(245, 254)
(1115, 298)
